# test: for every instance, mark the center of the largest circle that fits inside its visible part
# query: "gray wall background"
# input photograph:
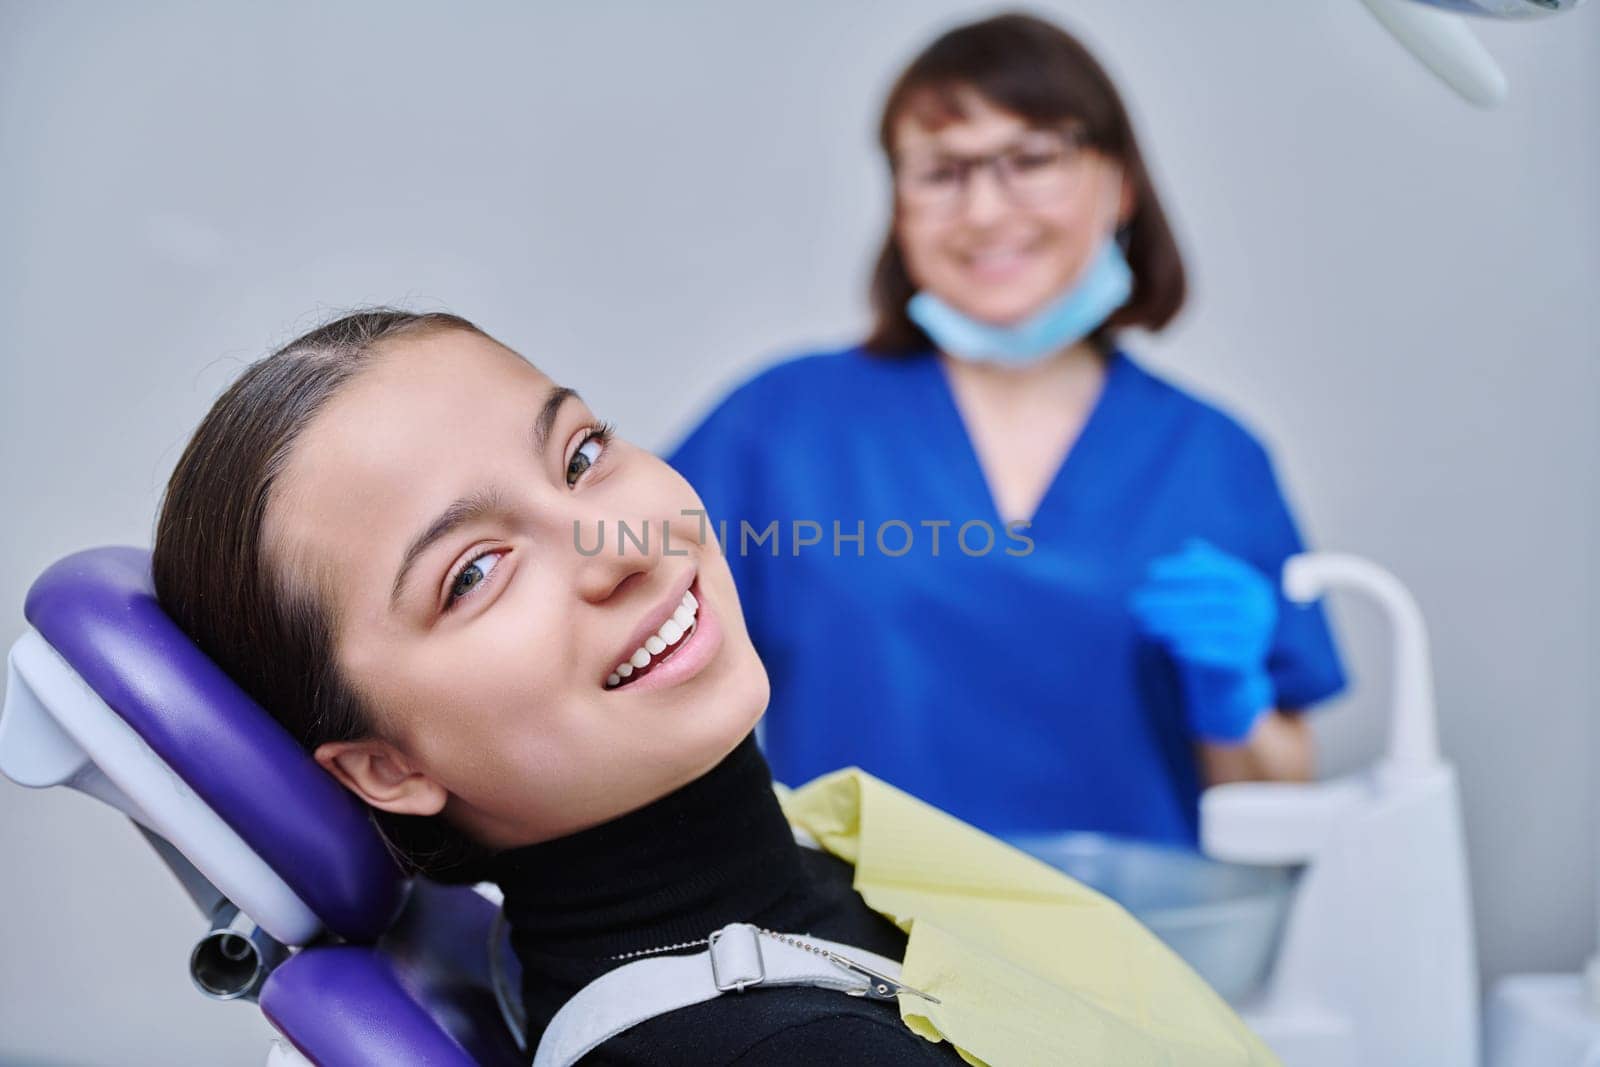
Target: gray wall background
(650, 201)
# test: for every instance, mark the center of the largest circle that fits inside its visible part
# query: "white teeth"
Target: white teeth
(672, 631)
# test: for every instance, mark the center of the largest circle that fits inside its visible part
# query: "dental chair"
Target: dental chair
(308, 915)
(1377, 962)
(354, 965)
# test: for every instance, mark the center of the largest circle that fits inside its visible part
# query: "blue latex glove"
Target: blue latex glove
(1215, 614)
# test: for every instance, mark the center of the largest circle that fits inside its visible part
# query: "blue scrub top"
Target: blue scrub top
(1013, 691)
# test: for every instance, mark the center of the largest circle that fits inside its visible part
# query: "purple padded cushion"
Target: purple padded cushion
(98, 609)
(343, 1006)
(423, 996)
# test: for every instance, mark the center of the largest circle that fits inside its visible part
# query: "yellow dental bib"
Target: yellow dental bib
(1030, 966)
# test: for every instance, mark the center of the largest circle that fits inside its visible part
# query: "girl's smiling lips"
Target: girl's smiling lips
(672, 644)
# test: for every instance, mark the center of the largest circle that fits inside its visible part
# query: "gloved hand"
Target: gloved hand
(1215, 614)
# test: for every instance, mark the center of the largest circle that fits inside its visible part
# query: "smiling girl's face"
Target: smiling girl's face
(432, 505)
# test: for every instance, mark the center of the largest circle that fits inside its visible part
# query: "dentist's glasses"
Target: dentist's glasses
(1035, 169)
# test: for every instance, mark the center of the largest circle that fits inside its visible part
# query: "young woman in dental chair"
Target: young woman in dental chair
(386, 533)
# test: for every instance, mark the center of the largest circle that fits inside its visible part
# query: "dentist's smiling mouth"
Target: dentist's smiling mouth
(658, 647)
(1000, 259)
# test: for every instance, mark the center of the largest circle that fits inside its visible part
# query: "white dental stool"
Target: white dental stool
(1377, 964)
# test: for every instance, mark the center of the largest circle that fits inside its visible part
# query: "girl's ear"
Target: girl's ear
(381, 775)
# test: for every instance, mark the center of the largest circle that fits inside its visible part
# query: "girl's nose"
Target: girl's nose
(614, 556)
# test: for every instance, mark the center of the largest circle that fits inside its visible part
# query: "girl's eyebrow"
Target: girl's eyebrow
(548, 411)
(479, 502)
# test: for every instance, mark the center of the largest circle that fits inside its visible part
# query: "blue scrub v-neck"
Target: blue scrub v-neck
(1011, 689)
(952, 427)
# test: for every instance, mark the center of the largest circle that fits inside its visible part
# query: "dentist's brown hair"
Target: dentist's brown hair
(1041, 73)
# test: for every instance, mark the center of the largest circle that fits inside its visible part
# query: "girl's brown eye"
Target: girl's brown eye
(474, 574)
(587, 454)
(467, 579)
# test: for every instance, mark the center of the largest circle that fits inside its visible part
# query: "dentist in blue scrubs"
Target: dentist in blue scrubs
(986, 554)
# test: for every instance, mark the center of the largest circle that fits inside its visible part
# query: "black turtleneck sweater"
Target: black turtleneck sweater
(716, 851)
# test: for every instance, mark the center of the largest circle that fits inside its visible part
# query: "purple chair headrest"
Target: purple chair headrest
(98, 609)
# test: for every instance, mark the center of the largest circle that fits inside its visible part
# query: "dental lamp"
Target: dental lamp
(1435, 32)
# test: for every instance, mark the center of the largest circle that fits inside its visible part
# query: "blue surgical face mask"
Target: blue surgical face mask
(1067, 319)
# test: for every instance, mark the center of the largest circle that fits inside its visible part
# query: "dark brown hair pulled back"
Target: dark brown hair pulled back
(270, 631)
